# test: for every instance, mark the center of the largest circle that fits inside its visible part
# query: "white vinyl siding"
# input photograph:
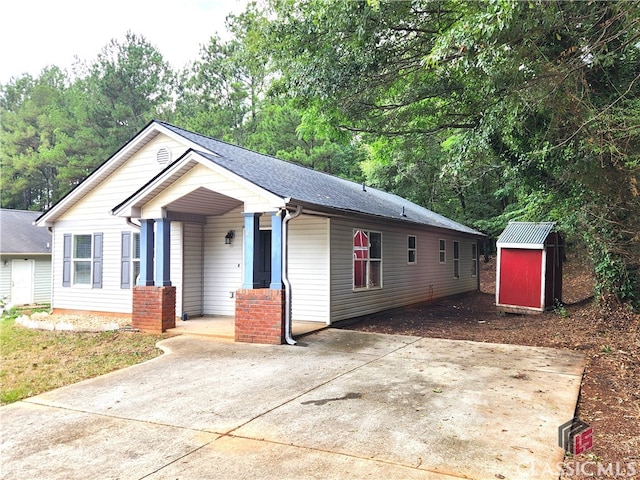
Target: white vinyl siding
(193, 270)
(111, 297)
(222, 263)
(309, 268)
(91, 215)
(308, 265)
(404, 284)
(127, 179)
(175, 267)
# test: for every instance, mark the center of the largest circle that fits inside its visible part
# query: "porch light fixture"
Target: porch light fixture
(229, 236)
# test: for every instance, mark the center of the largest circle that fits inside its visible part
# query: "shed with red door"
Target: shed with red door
(529, 267)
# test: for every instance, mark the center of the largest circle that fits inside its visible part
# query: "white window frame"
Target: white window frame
(135, 260)
(474, 259)
(442, 256)
(412, 250)
(75, 260)
(456, 259)
(368, 262)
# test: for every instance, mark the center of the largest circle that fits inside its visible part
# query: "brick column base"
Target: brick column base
(154, 309)
(260, 316)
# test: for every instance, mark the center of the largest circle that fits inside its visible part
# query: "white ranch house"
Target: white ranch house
(217, 224)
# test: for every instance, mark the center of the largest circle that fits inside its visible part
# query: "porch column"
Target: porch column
(146, 253)
(251, 249)
(276, 251)
(163, 262)
(154, 303)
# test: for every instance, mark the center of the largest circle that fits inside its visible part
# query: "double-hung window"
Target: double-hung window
(443, 251)
(130, 259)
(367, 259)
(456, 259)
(474, 259)
(82, 260)
(135, 257)
(411, 250)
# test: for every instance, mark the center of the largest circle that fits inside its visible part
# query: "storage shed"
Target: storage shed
(529, 267)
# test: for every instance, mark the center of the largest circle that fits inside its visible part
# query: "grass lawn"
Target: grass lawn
(35, 361)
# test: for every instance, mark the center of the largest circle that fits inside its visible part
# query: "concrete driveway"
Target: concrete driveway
(339, 405)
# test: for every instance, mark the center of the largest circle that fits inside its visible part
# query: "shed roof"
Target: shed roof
(530, 233)
(311, 187)
(18, 234)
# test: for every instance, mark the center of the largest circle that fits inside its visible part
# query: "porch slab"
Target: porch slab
(223, 327)
(340, 404)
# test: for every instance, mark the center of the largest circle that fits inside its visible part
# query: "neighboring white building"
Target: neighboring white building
(352, 249)
(25, 259)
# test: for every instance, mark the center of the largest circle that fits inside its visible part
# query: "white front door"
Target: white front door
(22, 279)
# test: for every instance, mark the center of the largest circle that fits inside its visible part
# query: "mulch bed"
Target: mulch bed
(609, 338)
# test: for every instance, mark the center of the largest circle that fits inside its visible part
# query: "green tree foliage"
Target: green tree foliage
(509, 109)
(36, 127)
(126, 86)
(221, 93)
(56, 130)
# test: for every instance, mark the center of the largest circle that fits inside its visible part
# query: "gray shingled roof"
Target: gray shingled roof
(18, 234)
(307, 186)
(526, 233)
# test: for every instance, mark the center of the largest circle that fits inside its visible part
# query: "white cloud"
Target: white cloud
(38, 33)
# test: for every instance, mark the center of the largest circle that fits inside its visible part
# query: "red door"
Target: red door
(520, 277)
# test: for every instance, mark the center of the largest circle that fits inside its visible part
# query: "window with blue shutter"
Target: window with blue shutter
(66, 260)
(125, 260)
(97, 260)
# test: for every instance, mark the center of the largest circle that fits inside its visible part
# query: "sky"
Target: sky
(38, 33)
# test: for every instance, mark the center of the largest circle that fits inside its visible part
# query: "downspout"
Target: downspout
(134, 225)
(285, 275)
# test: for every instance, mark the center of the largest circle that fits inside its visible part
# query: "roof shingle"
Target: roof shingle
(19, 235)
(304, 185)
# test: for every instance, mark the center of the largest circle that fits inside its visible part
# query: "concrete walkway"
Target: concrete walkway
(338, 405)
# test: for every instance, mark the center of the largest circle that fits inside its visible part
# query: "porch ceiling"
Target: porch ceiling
(203, 201)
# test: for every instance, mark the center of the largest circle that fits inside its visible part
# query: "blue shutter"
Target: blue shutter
(125, 261)
(66, 260)
(97, 260)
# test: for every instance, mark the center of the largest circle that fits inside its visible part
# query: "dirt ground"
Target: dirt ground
(610, 394)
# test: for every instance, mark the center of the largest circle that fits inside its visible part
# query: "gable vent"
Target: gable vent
(163, 156)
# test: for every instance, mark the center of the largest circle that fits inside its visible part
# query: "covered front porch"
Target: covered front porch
(211, 244)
